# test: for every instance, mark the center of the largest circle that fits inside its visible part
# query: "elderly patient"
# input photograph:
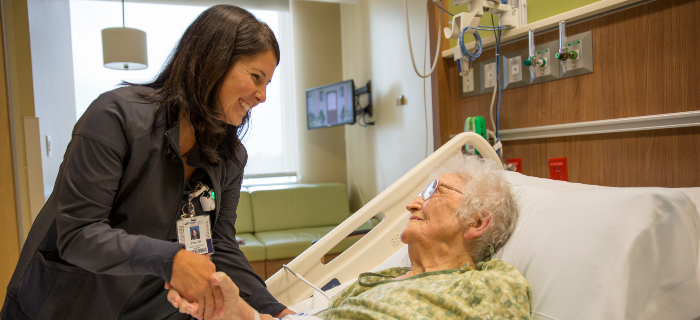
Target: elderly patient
(463, 215)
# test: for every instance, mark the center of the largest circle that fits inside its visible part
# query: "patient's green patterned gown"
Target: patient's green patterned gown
(498, 291)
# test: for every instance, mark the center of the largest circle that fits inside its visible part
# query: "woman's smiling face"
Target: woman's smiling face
(245, 86)
(434, 219)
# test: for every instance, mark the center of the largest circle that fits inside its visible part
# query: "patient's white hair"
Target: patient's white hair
(486, 192)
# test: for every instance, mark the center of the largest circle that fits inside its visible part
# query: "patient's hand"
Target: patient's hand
(234, 306)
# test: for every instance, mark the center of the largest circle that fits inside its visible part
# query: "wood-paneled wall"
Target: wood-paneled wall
(9, 236)
(643, 65)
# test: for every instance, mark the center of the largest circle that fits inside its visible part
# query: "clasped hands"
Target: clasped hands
(191, 277)
(198, 290)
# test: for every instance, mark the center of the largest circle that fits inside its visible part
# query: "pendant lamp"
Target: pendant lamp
(124, 48)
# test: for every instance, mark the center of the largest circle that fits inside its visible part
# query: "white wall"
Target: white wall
(375, 47)
(52, 70)
(317, 61)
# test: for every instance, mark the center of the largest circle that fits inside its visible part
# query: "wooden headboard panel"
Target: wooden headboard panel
(644, 64)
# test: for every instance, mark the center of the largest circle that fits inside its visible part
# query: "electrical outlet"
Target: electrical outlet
(49, 152)
(470, 83)
(558, 169)
(514, 74)
(490, 75)
(514, 69)
(518, 162)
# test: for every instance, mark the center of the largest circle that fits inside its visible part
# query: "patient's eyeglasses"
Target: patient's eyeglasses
(432, 186)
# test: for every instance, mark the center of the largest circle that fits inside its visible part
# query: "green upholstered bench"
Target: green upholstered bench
(287, 218)
(253, 249)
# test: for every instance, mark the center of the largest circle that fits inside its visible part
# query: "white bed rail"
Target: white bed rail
(375, 247)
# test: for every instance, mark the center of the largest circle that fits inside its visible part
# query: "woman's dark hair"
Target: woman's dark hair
(189, 82)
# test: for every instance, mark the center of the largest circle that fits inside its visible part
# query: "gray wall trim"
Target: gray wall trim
(276, 5)
(654, 122)
(13, 137)
(270, 175)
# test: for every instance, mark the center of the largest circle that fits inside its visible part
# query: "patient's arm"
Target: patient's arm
(234, 307)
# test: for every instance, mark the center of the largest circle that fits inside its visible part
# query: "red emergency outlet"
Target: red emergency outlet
(518, 162)
(558, 169)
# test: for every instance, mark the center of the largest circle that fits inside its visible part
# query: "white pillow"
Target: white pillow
(607, 253)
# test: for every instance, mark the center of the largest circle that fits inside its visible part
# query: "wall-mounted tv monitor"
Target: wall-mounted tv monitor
(330, 105)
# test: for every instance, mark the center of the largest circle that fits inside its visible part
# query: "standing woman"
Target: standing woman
(106, 242)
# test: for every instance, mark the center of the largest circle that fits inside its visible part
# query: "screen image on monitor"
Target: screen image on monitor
(330, 105)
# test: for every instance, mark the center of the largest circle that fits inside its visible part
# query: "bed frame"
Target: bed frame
(375, 247)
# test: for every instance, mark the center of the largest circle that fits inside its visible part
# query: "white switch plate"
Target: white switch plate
(468, 82)
(48, 146)
(490, 75)
(515, 73)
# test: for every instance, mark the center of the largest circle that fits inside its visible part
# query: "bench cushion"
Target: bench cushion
(290, 243)
(244, 212)
(253, 249)
(285, 207)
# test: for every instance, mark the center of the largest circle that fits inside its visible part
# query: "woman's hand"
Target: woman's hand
(284, 312)
(234, 306)
(191, 276)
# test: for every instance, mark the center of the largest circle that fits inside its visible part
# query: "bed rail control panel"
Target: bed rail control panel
(395, 239)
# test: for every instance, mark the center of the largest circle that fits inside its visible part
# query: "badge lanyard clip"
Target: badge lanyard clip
(188, 208)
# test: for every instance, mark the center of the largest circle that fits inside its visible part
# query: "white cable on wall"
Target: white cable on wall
(352, 174)
(410, 47)
(493, 100)
(425, 98)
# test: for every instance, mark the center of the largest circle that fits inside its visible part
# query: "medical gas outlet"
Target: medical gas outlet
(544, 70)
(578, 57)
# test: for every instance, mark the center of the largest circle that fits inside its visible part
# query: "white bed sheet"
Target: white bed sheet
(517, 178)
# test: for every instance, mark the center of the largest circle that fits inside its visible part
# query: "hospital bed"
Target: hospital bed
(588, 252)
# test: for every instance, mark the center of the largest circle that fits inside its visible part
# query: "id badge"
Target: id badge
(195, 234)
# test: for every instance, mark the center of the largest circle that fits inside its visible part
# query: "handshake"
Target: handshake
(198, 290)
(233, 306)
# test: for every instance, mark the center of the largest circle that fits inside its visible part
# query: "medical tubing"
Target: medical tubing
(352, 174)
(498, 87)
(493, 100)
(308, 283)
(441, 8)
(471, 56)
(478, 45)
(410, 47)
(425, 99)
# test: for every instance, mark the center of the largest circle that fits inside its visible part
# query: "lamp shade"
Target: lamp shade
(124, 49)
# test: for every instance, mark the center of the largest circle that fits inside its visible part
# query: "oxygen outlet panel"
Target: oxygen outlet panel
(580, 51)
(546, 65)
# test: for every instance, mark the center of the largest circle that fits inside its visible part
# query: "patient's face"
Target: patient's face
(433, 220)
